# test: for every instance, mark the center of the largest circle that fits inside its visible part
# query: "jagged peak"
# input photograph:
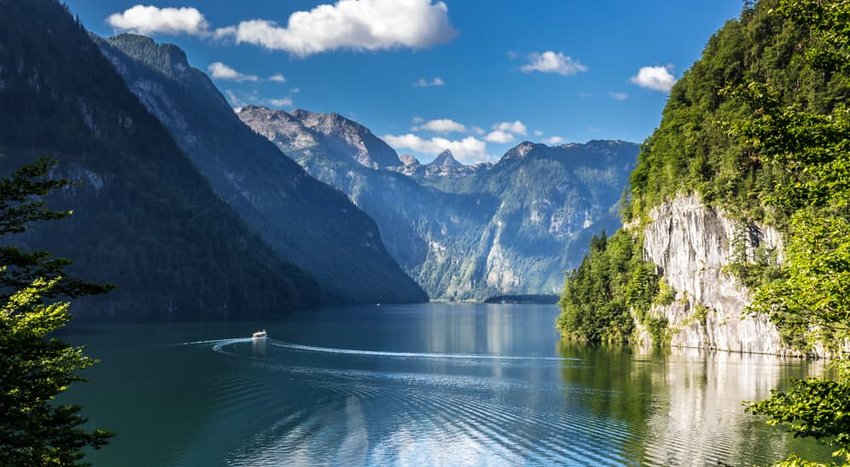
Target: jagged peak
(445, 159)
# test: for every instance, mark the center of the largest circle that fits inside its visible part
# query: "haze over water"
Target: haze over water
(419, 384)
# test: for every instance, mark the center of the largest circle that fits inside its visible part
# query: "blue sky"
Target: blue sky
(473, 76)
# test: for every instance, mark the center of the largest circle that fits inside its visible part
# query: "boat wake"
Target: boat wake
(220, 344)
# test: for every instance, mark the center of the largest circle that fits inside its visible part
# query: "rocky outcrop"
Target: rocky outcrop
(692, 244)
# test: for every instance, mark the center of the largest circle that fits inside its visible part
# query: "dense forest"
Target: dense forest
(145, 219)
(759, 127)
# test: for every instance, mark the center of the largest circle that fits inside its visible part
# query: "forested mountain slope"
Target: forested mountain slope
(145, 219)
(305, 221)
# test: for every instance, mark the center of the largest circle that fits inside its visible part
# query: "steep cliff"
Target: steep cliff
(738, 200)
(693, 246)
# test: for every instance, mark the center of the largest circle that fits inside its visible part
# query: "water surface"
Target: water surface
(434, 384)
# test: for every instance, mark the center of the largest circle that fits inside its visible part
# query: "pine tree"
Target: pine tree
(35, 366)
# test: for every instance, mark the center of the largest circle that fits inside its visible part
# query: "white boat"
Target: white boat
(260, 334)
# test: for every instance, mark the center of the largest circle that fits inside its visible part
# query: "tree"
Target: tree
(810, 301)
(35, 366)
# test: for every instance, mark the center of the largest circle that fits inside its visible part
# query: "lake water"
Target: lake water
(420, 384)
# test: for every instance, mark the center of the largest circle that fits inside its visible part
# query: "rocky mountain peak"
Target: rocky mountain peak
(521, 150)
(339, 137)
(446, 160)
(409, 161)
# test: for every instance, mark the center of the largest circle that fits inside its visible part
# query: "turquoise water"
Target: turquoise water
(436, 384)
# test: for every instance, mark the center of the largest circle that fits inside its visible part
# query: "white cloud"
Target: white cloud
(538, 133)
(551, 62)
(295, 90)
(148, 20)
(477, 130)
(441, 125)
(618, 96)
(283, 102)
(468, 150)
(552, 140)
(657, 78)
(516, 127)
(500, 137)
(240, 98)
(429, 83)
(277, 78)
(219, 70)
(351, 24)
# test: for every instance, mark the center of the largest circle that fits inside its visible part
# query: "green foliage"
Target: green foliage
(35, 366)
(817, 408)
(699, 146)
(701, 313)
(602, 294)
(760, 126)
(811, 302)
(753, 269)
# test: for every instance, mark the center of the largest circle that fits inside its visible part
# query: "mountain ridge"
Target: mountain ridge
(470, 232)
(302, 219)
(145, 219)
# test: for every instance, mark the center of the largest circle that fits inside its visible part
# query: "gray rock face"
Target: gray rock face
(321, 135)
(468, 232)
(691, 244)
(444, 166)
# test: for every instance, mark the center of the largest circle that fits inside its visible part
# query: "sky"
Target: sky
(476, 77)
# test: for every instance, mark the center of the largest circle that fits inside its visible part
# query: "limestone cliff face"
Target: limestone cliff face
(691, 244)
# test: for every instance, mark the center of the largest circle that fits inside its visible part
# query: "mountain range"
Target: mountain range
(303, 220)
(465, 232)
(195, 211)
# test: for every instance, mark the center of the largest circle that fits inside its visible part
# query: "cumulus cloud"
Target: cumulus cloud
(468, 150)
(429, 83)
(552, 62)
(277, 78)
(618, 96)
(500, 137)
(142, 19)
(351, 24)
(552, 140)
(219, 70)
(441, 125)
(657, 78)
(516, 127)
(283, 102)
(538, 133)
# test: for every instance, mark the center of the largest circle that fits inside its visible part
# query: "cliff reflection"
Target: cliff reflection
(685, 406)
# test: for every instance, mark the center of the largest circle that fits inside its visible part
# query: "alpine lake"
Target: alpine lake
(431, 384)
